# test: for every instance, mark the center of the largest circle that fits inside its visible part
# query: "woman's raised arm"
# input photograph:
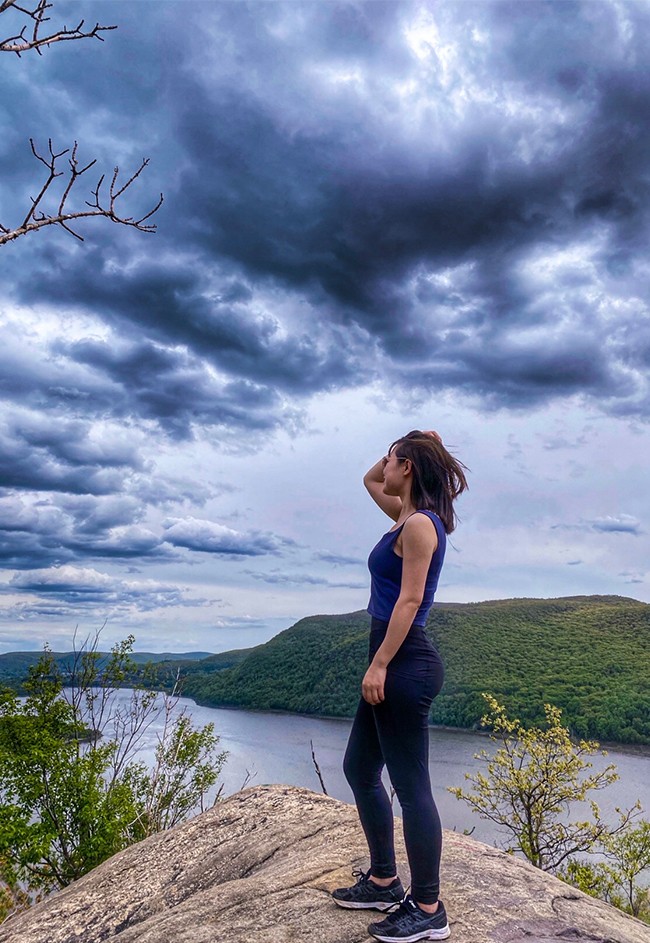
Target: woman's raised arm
(374, 482)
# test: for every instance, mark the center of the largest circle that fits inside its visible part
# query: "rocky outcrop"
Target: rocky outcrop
(258, 868)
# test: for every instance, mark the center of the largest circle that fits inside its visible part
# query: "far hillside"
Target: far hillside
(589, 655)
(14, 666)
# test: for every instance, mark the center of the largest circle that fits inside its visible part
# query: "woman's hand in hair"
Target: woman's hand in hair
(434, 435)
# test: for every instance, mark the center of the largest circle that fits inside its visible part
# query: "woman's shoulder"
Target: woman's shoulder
(421, 515)
(419, 526)
(428, 513)
(420, 523)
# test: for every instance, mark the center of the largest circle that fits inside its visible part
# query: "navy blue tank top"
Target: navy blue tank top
(386, 573)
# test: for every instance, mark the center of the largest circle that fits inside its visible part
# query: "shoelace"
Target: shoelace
(404, 912)
(363, 878)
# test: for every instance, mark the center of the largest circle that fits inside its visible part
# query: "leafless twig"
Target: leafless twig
(247, 778)
(103, 204)
(317, 767)
(22, 42)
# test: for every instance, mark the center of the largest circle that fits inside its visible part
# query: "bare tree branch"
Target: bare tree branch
(22, 42)
(317, 767)
(103, 204)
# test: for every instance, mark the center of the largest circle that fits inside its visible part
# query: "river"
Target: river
(275, 748)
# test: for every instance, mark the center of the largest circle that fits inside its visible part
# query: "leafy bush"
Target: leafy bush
(70, 798)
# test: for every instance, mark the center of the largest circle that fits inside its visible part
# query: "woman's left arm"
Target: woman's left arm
(419, 543)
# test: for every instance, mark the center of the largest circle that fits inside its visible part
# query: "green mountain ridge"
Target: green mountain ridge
(589, 655)
(15, 665)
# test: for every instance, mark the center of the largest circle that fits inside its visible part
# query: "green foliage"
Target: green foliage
(617, 879)
(525, 651)
(530, 783)
(14, 666)
(528, 652)
(185, 770)
(72, 798)
(57, 820)
(315, 667)
(629, 853)
(592, 878)
(13, 899)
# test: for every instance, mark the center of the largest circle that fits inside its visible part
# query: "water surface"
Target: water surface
(276, 748)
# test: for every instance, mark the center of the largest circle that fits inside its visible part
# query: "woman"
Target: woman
(415, 485)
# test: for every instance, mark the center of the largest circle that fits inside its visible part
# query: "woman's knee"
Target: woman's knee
(361, 774)
(412, 790)
(349, 769)
(354, 770)
(353, 766)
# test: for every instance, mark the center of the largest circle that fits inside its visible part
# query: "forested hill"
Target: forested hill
(589, 655)
(14, 666)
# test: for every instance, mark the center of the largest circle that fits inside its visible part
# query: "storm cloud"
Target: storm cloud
(209, 537)
(60, 591)
(384, 187)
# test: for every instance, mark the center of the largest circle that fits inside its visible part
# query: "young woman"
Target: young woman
(415, 484)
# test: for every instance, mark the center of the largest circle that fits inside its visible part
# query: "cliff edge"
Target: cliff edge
(259, 866)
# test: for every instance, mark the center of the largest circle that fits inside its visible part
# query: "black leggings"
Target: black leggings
(395, 733)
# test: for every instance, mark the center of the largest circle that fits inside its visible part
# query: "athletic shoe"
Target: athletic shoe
(366, 894)
(409, 923)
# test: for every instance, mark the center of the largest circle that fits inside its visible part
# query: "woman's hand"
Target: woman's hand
(372, 686)
(434, 435)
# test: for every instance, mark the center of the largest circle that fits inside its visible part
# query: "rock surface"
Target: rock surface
(258, 868)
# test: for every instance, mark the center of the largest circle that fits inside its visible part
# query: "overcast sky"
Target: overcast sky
(377, 217)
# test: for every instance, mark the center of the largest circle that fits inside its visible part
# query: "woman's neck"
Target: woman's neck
(408, 508)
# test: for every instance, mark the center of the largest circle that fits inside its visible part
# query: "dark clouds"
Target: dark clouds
(209, 537)
(221, 320)
(338, 559)
(176, 389)
(608, 524)
(39, 453)
(623, 524)
(37, 531)
(65, 590)
(279, 578)
(395, 168)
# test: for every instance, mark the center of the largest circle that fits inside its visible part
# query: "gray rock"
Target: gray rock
(258, 868)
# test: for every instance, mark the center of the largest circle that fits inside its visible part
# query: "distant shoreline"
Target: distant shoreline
(635, 749)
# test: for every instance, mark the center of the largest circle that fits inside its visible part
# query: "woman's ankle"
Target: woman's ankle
(382, 882)
(428, 908)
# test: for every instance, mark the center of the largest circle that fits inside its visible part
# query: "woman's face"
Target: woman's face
(393, 469)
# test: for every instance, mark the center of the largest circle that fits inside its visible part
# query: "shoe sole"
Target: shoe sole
(371, 905)
(442, 934)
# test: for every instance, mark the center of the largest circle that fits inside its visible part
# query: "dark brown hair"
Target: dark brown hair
(438, 477)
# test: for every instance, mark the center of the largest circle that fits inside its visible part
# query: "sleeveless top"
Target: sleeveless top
(386, 573)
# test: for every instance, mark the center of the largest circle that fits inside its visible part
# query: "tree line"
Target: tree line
(589, 656)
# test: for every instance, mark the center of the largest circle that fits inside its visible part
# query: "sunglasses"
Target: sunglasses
(385, 459)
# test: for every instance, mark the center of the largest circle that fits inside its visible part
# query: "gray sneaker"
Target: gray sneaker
(365, 894)
(408, 923)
